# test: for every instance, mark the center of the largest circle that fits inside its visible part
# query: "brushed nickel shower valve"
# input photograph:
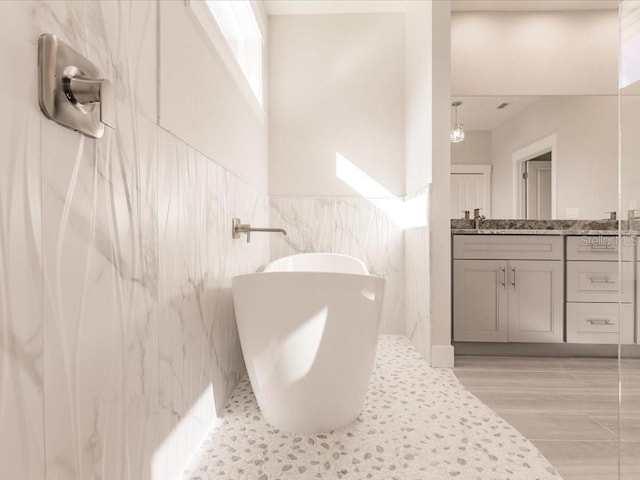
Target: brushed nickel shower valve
(72, 90)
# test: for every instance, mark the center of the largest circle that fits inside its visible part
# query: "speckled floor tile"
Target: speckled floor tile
(418, 423)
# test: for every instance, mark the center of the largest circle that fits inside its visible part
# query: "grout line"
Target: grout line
(604, 426)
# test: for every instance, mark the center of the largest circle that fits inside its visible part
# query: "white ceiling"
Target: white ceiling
(480, 113)
(310, 7)
(532, 5)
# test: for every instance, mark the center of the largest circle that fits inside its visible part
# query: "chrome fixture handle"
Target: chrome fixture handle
(513, 282)
(238, 228)
(72, 91)
(465, 214)
(504, 277)
(612, 215)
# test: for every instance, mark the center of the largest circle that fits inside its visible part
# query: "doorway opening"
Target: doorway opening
(534, 180)
(537, 187)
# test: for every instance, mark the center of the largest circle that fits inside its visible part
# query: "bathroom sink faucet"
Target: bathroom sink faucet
(238, 228)
(477, 218)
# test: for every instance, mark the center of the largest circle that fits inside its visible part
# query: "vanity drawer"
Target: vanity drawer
(507, 247)
(599, 248)
(598, 282)
(599, 323)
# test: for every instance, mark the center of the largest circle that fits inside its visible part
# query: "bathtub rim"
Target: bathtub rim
(310, 273)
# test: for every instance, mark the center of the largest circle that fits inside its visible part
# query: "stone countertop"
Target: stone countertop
(506, 231)
(543, 227)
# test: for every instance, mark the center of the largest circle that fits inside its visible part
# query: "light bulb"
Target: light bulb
(457, 134)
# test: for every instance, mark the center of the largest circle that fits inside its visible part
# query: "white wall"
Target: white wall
(534, 53)
(336, 85)
(475, 149)
(587, 153)
(439, 217)
(418, 73)
(418, 161)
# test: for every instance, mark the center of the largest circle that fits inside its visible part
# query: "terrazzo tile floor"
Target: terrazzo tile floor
(418, 423)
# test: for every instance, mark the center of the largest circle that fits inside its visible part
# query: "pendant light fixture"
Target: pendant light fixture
(457, 132)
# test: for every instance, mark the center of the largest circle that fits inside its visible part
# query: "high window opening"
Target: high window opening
(239, 26)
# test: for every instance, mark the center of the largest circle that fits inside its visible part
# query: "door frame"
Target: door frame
(518, 159)
(478, 169)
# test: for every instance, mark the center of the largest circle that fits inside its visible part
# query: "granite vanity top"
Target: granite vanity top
(541, 227)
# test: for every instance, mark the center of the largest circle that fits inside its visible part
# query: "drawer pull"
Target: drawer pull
(603, 247)
(504, 277)
(603, 321)
(601, 280)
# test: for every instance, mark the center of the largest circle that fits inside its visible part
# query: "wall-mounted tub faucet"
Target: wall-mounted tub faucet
(238, 228)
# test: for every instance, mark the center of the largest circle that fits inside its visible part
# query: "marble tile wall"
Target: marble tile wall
(416, 293)
(21, 323)
(200, 360)
(117, 334)
(351, 226)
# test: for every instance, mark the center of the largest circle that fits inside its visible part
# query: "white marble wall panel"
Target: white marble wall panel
(21, 339)
(351, 226)
(228, 197)
(417, 304)
(100, 271)
(118, 36)
(185, 327)
(200, 357)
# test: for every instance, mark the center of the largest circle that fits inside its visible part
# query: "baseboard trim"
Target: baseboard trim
(545, 349)
(442, 356)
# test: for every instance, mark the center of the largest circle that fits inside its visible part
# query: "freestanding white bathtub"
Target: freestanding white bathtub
(308, 327)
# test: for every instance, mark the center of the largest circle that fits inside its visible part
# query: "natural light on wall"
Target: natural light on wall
(237, 22)
(405, 213)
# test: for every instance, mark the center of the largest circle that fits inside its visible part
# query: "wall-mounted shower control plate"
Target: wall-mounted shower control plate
(57, 61)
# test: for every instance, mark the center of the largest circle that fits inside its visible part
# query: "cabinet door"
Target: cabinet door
(480, 301)
(535, 301)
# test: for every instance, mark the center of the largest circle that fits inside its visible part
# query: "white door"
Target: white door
(538, 188)
(480, 300)
(535, 301)
(470, 189)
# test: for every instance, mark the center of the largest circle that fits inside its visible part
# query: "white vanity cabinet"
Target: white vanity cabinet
(480, 310)
(594, 288)
(508, 288)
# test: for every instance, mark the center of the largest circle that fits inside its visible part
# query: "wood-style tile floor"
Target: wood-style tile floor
(568, 408)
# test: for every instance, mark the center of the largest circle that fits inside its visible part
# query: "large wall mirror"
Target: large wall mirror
(538, 93)
(537, 157)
